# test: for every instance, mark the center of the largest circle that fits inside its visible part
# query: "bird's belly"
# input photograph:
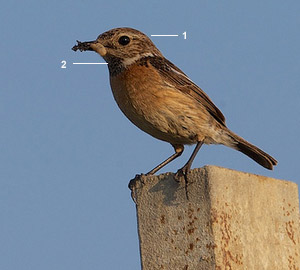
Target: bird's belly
(160, 111)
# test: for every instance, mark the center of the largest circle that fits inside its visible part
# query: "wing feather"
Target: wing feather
(176, 77)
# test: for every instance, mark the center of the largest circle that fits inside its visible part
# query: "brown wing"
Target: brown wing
(176, 77)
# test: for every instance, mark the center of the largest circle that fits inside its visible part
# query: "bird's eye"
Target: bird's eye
(124, 40)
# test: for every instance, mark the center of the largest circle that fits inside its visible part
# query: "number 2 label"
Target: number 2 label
(64, 64)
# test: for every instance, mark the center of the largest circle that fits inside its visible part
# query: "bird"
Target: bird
(161, 100)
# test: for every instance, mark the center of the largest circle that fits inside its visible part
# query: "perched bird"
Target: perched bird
(161, 100)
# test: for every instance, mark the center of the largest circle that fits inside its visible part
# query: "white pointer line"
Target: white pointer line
(164, 35)
(89, 63)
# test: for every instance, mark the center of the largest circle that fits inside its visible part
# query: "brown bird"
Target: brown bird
(161, 100)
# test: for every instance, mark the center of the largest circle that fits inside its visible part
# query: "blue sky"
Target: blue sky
(68, 153)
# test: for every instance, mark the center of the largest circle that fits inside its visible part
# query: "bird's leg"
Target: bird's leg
(186, 168)
(139, 177)
(178, 151)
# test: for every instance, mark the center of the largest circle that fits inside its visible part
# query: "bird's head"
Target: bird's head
(123, 45)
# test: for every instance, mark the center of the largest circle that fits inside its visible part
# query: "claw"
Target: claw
(183, 173)
(133, 185)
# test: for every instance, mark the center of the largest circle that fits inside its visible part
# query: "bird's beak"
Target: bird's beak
(90, 46)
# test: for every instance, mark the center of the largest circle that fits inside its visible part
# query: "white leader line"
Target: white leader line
(89, 63)
(164, 35)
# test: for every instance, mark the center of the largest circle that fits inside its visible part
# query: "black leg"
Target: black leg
(185, 169)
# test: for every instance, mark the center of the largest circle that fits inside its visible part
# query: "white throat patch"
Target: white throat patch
(128, 61)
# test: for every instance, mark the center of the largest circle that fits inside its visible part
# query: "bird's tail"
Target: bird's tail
(252, 151)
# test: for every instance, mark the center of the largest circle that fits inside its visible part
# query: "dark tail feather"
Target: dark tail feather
(252, 151)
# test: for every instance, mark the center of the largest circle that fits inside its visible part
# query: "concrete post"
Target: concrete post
(223, 219)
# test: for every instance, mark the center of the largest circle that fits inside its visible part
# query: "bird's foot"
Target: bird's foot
(182, 175)
(134, 183)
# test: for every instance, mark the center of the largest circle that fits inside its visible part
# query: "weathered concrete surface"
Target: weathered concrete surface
(230, 220)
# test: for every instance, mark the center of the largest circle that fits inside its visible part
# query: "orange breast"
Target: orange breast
(136, 92)
(157, 108)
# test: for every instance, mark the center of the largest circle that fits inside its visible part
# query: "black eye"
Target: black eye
(124, 40)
